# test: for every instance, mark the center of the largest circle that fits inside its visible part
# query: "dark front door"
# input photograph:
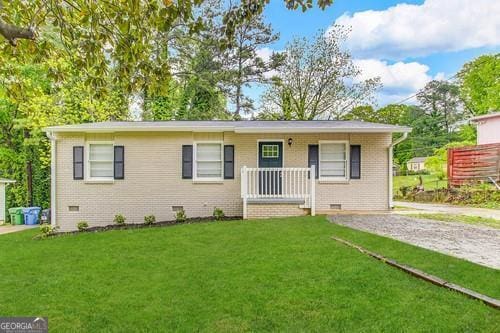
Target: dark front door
(270, 156)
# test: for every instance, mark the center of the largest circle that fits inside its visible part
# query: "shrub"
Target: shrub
(180, 216)
(119, 219)
(149, 219)
(45, 230)
(404, 190)
(82, 225)
(218, 214)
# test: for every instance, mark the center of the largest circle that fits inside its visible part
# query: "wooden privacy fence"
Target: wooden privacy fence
(474, 164)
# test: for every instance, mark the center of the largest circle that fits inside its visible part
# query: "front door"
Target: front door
(270, 156)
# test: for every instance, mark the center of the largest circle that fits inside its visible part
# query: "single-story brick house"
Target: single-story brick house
(247, 168)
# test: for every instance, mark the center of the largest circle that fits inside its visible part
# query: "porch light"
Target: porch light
(290, 141)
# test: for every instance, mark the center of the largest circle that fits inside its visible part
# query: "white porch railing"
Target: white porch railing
(278, 183)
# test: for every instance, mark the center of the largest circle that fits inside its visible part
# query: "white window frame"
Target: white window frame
(87, 162)
(195, 162)
(346, 162)
(273, 145)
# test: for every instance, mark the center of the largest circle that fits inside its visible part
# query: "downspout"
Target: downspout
(391, 148)
(53, 162)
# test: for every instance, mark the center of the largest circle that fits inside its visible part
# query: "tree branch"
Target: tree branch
(12, 32)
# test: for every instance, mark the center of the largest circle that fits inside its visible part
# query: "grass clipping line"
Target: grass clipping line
(493, 302)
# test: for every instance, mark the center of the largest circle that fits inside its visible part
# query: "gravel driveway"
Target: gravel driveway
(474, 243)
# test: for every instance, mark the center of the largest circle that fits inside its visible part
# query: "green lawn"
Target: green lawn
(431, 182)
(274, 275)
(490, 222)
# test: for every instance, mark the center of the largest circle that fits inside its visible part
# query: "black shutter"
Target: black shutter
(187, 162)
(119, 162)
(355, 162)
(313, 158)
(78, 162)
(229, 162)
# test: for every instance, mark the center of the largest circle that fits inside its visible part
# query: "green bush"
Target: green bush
(149, 219)
(180, 216)
(404, 190)
(119, 219)
(46, 229)
(82, 225)
(218, 214)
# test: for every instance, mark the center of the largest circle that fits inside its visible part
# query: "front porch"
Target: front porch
(275, 192)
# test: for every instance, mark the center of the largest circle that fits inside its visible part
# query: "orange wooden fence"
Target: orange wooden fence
(473, 164)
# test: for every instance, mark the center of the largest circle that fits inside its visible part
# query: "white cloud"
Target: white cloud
(417, 30)
(399, 80)
(265, 53)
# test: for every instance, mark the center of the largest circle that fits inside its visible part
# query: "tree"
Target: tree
(31, 98)
(480, 84)
(194, 90)
(318, 80)
(244, 66)
(441, 101)
(123, 31)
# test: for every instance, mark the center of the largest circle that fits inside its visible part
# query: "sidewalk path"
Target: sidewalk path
(7, 229)
(449, 209)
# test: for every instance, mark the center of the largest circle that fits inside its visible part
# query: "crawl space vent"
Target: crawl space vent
(177, 208)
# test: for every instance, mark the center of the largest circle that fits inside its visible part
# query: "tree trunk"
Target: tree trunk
(237, 102)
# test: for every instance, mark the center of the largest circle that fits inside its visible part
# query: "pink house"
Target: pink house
(488, 128)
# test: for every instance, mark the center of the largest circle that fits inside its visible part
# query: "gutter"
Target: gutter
(391, 149)
(53, 174)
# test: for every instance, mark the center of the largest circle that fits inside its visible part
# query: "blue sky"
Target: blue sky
(406, 43)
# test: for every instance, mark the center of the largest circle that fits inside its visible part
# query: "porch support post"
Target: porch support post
(313, 190)
(244, 183)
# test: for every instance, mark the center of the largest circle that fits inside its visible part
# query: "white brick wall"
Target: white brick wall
(258, 211)
(153, 182)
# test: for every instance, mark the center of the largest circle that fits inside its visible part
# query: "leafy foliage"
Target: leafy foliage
(218, 214)
(441, 101)
(82, 225)
(119, 219)
(180, 216)
(480, 85)
(317, 81)
(242, 64)
(149, 219)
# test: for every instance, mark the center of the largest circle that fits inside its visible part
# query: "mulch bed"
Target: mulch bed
(127, 226)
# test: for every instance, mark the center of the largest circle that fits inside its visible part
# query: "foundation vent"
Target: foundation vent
(74, 208)
(336, 206)
(177, 208)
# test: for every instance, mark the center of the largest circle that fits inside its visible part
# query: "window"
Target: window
(100, 161)
(333, 157)
(270, 151)
(208, 161)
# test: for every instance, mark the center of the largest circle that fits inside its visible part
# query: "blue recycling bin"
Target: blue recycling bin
(31, 215)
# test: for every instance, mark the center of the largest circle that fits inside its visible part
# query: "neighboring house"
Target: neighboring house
(252, 169)
(3, 184)
(416, 164)
(488, 128)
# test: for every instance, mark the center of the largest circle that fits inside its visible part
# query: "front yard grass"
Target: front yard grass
(431, 182)
(271, 275)
(490, 222)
